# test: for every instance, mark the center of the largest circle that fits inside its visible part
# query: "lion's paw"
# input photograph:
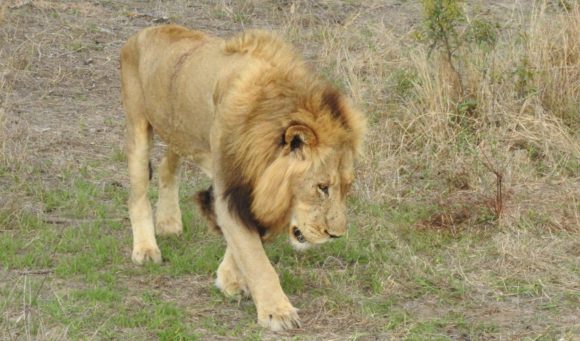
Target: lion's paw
(169, 227)
(281, 317)
(231, 285)
(142, 255)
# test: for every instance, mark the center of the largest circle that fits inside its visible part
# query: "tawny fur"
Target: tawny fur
(278, 142)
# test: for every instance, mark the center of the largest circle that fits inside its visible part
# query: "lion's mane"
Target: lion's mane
(276, 91)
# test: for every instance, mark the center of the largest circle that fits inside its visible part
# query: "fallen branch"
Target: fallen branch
(498, 204)
(35, 272)
(73, 221)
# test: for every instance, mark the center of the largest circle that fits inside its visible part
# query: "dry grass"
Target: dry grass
(434, 250)
(518, 117)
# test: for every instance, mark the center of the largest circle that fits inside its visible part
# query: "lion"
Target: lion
(278, 143)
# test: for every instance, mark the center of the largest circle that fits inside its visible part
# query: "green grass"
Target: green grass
(352, 275)
(425, 257)
(76, 273)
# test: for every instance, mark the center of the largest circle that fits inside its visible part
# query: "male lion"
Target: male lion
(278, 143)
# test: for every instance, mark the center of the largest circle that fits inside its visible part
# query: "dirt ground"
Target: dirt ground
(60, 65)
(61, 110)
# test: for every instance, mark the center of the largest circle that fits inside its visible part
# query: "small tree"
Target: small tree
(442, 19)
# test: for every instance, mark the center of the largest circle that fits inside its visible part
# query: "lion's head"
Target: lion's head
(304, 189)
(289, 144)
(318, 211)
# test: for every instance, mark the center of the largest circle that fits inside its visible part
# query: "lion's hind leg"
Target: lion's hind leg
(139, 140)
(138, 145)
(168, 215)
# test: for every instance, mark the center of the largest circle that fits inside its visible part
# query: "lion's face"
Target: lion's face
(318, 212)
(301, 188)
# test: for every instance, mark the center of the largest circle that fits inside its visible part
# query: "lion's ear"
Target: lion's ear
(298, 135)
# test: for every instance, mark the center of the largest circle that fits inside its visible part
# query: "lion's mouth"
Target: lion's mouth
(298, 234)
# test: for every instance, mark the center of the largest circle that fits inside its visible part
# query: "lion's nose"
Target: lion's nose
(335, 224)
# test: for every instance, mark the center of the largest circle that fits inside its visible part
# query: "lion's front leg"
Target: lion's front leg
(245, 249)
(229, 278)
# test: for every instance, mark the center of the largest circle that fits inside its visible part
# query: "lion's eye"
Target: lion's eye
(323, 188)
